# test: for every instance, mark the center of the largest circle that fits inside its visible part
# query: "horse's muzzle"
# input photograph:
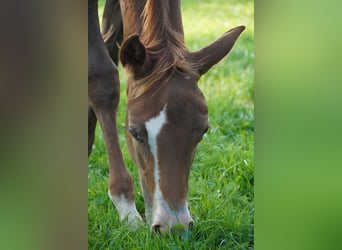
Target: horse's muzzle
(167, 220)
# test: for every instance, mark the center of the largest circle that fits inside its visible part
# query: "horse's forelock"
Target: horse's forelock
(164, 46)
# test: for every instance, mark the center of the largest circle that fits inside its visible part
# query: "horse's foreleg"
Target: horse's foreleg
(104, 95)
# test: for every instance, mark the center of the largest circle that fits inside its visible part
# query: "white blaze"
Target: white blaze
(161, 209)
(153, 127)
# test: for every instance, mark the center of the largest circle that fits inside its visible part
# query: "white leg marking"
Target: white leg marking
(153, 127)
(126, 209)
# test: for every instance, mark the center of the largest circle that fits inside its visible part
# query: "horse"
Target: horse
(166, 112)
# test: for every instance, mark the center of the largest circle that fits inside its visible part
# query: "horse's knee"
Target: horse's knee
(104, 87)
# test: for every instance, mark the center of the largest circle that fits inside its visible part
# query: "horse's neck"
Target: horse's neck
(132, 12)
(176, 16)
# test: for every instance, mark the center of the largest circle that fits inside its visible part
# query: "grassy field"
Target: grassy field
(221, 195)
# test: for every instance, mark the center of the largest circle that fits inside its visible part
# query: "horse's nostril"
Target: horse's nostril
(191, 225)
(156, 228)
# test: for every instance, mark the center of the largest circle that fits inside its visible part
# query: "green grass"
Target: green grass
(221, 195)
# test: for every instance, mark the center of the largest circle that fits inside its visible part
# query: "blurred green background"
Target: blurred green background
(297, 129)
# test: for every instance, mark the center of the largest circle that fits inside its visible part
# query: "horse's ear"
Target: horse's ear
(132, 53)
(205, 58)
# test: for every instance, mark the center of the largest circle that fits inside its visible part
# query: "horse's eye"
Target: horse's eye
(135, 134)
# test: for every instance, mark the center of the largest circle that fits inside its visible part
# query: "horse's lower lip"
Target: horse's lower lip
(175, 229)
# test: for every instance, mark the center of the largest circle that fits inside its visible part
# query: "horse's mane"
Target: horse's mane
(163, 43)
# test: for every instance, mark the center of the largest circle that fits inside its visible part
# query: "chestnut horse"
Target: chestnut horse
(166, 111)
